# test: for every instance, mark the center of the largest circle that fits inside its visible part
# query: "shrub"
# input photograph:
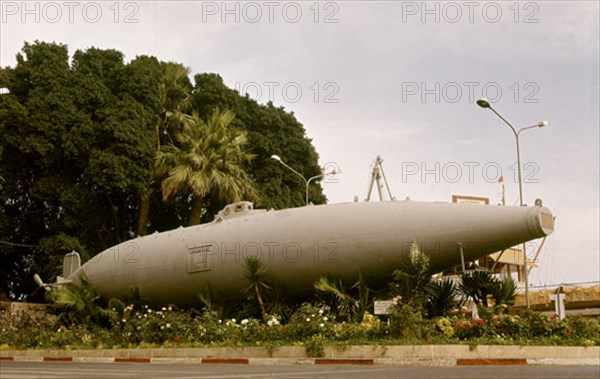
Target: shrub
(469, 329)
(584, 328)
(543, 325)
(443, 298)
(445, 327)
(211, 329)
(405, 322)
(143, 327)
(413, 279)
(507, 326)
(315, 346)
(310, 320)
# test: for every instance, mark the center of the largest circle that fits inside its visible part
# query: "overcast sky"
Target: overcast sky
(396, 79)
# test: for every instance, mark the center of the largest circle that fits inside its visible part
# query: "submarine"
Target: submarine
(299, 245)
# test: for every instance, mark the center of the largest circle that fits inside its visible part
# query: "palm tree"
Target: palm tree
(207, 157)
(79, 304)
(413, 279)
(365, 297)
(477, 285)
(443, 297)
(255, 275)
(334, 293)
(504, 291)
(174, 94)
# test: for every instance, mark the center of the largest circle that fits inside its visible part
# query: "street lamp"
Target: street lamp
(484, 103)
(306, 182)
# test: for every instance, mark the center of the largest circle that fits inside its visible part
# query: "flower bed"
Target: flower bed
(310, 326)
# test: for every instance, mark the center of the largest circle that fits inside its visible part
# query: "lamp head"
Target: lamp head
(483, 103)
(276, 157)
(541, 124)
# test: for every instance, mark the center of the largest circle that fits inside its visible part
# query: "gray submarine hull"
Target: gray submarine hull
(299, 245)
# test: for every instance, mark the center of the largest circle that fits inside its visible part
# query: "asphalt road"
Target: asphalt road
(29, 370)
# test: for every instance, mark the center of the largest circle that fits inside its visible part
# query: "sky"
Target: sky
(398, 79)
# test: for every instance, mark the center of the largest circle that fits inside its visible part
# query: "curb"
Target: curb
(352, 355)
(315, 361)
(491, 362)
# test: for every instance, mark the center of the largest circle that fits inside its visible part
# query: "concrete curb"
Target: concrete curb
(410, 355)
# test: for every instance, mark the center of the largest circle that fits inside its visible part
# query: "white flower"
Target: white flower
(273, 321)
(307, 319)
(233, 320)
(325, 318)
(320, 311)
(244, 321)
(162, 327)
(170, 309)
(168, 325)
(164, 309)
(123, 320)
(322, 325)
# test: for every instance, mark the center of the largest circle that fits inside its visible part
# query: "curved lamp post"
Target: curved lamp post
(484, 103)
(306, 182)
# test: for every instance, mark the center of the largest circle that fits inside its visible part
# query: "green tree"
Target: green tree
(270, 130)
(174, 92)
(76, 150)
(477, 285)
(208, 157)
(256, 276)
(78, 303)
(443, 297)
(413, 280)
(504, 291)
(334, 293)
(79, 147)
(36, 115)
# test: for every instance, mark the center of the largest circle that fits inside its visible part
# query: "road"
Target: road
(69, 370)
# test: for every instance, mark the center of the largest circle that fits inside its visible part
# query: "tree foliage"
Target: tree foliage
(335, 294)
(256, 277)
(206, 157)
(413, 280)
(78, 303)
(80, 136)
(270, 130)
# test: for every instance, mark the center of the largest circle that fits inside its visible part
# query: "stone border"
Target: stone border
(396, 355)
